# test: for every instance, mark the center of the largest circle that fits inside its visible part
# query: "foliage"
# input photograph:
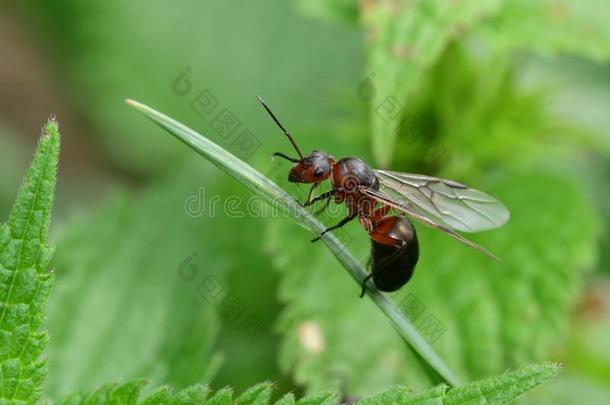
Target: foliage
(170, 322)
(489, 98)
(24, 279)
(496, 390)
(551, 27)
(404, 39)
(493, 316)
(161, 312)
(103, 39)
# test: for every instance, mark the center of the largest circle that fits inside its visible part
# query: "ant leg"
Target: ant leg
(310, 194)
(323, 196)
(367, 278)
(339, 225)
(321, 210)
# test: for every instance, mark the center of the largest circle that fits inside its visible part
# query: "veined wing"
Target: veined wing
(387, 200)
(456, 205)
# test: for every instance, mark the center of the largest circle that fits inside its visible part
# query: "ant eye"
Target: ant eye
(318, 172)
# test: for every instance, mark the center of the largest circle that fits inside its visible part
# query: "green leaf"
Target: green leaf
(162, 324)
(287, 399)
(221, 397)
(405, 38)
(124, 394)
(501, 125)
(390, 396)
(161, 395)
(473, 300)
(131, 276)
(323, 398)
(260, 394)
(195, 394)
(496, 390)
(112, 393)
(484, 317)
(505, 316)
(271, 193)
(130, 393)
(24, 280)
(579, 27)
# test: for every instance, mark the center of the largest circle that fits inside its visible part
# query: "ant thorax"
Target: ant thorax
(350, 173)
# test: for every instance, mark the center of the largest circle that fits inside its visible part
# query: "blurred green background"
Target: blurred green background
(510, 97)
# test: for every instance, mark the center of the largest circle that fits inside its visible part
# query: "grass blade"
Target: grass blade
(274, 195)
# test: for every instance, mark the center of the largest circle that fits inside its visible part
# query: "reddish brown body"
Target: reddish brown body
(394, 246)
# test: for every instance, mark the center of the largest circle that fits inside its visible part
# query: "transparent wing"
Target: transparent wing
(387, 200)
(450, 203)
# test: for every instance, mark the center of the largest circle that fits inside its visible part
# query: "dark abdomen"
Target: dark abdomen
(393, 266)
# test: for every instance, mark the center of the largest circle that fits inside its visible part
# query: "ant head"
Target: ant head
(313, 168)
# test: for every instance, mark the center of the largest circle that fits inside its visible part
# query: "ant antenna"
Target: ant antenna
(281, 127)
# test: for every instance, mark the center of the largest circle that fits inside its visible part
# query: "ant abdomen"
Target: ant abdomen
(392, 266)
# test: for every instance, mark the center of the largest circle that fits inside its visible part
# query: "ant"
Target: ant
(370, 195)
